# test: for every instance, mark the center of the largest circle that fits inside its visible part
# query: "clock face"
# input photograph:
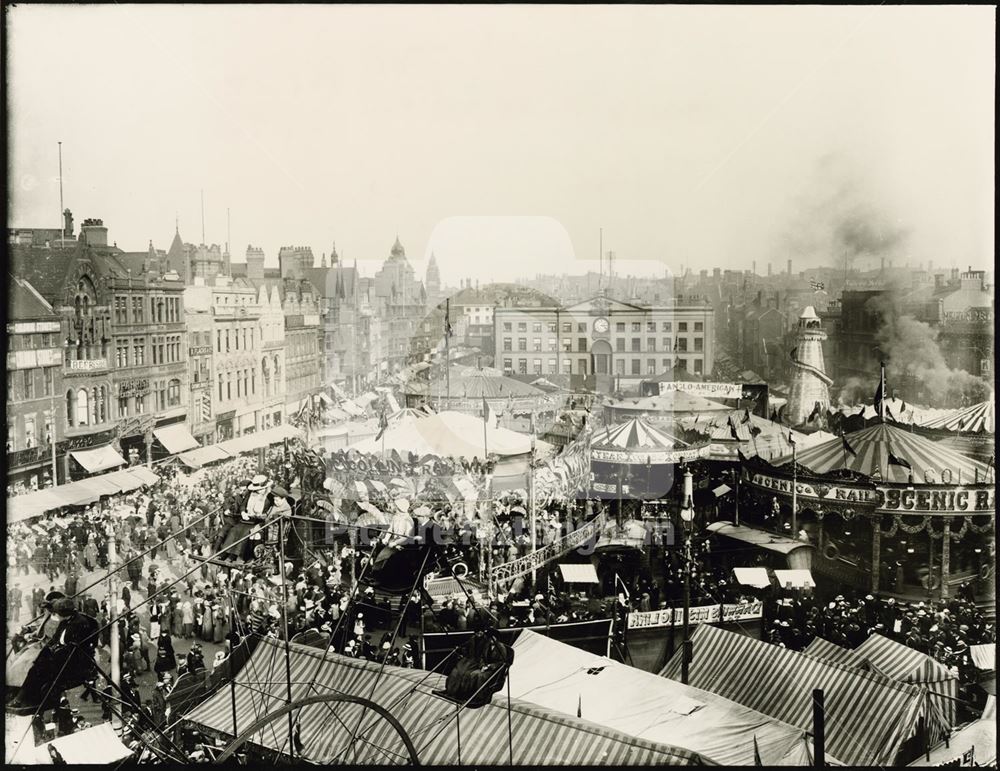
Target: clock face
(601, 326)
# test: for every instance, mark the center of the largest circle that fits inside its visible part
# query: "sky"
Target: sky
(506, 138)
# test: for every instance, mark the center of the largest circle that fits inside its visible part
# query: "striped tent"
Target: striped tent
(869, 717)
(872, 446)
(770, 442)
(637, 439)
(977, 419)
(442, 733)
(897, 662)
(984, 656)
(407, 413)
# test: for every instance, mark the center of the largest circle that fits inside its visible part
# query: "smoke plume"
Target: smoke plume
(914, 358)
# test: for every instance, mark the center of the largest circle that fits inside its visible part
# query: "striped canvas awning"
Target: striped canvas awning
(176, 438)
(872, 446)
(637, 439)
(875, 716)
(98, 459)
(977, 419)
(442, 734)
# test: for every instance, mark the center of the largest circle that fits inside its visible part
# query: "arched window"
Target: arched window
(174, 393)
(70, 408)
(104, 404)
(82, 408)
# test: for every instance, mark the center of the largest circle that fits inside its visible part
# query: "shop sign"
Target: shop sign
(31, 327)
(222, 417)
(718, 390)
(956, 499)
(833, 493)
(200, 350)
(654, 457)
(136, 387)
(83, 442)
(86, 365)
(703, 614)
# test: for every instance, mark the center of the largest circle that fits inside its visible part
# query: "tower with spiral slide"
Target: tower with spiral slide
(809, 398)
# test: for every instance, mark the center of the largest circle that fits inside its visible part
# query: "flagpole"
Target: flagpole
(795, 499)
(531, 500)
(447, 354)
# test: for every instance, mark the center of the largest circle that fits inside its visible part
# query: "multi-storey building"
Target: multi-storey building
(401, 304)
(620, 343)
(34, 386)
(200, 326)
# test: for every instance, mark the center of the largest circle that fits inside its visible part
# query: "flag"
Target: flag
(775, 416)
(896, 461)
(818, 286)
(861, 412)
(880, 391)
(754, 431)
(756, 753)
(383, 424)
(732, 428)
(847, 447)
(763, 343)
(793, 352)
(791, 438)
(579, 705)
(746, 416)
(889, 413)
(619, 582)
(739, 454)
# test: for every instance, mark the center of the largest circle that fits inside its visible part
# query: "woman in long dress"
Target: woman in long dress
(20, 662)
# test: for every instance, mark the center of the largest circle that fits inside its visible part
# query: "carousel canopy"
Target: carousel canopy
(977, 419)
(474, 383)
(872, 447)
(450, 434)
(635, 440)
(408, 413)
(674, 401)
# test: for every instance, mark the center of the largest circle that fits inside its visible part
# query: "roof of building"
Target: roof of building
(24, 302)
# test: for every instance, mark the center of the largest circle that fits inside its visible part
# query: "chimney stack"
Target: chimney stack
(255, 263)
(94, 233)
(883, 265)
(789, 268)
(67, 224)
(755, 267)
(769, 273)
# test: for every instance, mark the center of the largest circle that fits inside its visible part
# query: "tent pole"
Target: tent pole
(819, 729)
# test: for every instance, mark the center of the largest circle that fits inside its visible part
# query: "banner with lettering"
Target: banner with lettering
(703, 614)
(718, 390)
(536, 559)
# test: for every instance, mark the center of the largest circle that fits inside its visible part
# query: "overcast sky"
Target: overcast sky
(695, 137)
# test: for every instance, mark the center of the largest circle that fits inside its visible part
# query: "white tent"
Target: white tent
(98, 745)
(622, 698)
(451, 434)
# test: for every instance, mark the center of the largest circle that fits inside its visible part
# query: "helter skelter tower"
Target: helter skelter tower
(809, 399)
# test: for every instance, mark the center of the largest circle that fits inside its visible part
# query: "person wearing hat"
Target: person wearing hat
(65, 661)
(158, 704)
(166, 659)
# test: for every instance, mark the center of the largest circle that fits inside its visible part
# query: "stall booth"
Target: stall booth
(888, 511)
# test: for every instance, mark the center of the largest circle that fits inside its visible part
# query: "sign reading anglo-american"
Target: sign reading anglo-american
(920, 498)
(718, 390)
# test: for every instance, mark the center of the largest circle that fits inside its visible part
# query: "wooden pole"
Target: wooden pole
(819, 729)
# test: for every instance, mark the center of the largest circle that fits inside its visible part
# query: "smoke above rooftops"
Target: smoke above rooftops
(840, 222)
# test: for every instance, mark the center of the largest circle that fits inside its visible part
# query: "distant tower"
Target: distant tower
(432, 282)
(810, 383)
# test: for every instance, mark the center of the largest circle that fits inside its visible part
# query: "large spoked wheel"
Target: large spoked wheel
(408, 755)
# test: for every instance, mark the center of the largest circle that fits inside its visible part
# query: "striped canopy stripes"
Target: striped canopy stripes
(977, 419)
(868, 716)
(441, 732)
(637, 434)
(872, 446)
(897, 662)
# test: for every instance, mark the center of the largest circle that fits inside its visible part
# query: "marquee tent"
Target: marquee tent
(872, 446)
(442, 733)
(636, 439)
(977, 419)
(870, 717)
(98, 745)
(451, 434)
(566, 679)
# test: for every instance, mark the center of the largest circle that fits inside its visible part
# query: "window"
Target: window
(636, 367)
(82, 408)
(140, 405)
(620, 326)
(697, 365)
(161, 351)
(536, 344)
(218, 340)
(651, 367)
(508, 344)
(699, 344)
(522, 366)
(522, 344)
(666, 365)
(251, 337)
(620, 345)
(47, 381)
(682, 326)
(29, 384)
(682, 344)
(620, 366)
(650, 326)
(227, 341)
(118, 357)
(567, 344)
(253, 380)
(10, 386)
(567, 365)
(635, 344)
(237, 385)
(666, 326)
(636, 326)
(229, 386)
(139, 349)
(507, 326)
(522, 326)
(121, 309)
(581, 344)
(552, 345)
(568, 326)
(137, 314)
(699, 326)
(581, 327)
(650, 343)
(220, 386)
(551, 327)
(552, 366)
(581, 366)
(666, 344)
(682, 363)
(536, 366)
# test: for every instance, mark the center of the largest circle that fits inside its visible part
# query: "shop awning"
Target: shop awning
(752, 577)
(98, 745)
(98, 459)
(175, 438)
(85, 491)
(799, 579)
(202, 455)
(761, 538)
(579, 574)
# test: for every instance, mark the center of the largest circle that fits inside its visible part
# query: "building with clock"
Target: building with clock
(613, 344)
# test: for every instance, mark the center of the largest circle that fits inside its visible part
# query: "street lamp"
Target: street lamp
(687, 520)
